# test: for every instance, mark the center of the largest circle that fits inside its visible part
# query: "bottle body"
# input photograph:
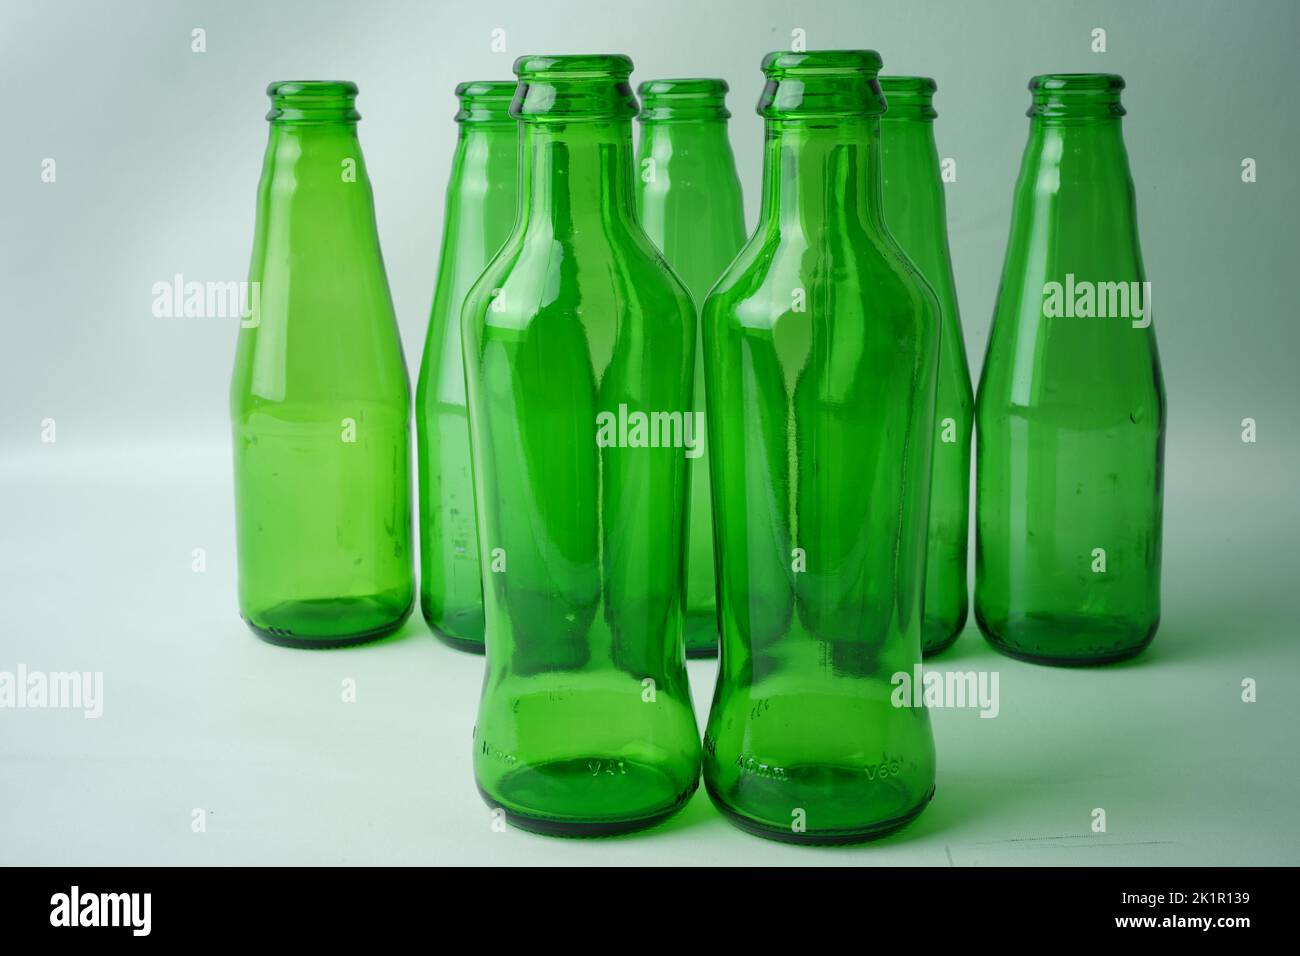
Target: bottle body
(916, 216)
(689, 203)
(319, 396)
(577, 337)
(1071, 407)
(821, 350)
(480, 212)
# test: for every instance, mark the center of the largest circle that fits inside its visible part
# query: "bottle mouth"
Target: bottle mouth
(485, 101)
(909, 97)
(821, 84)
(313, 101)
(683, 99)
(566, 89)
(1076, 95)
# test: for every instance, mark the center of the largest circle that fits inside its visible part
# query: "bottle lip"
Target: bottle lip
(821, 85)
(573, 66)
(908, 97)
(684, 86)
(485, 101)
(586, 87)
(1076, 95)
(1077, 82)
(684, 99)
(788, 63)
(312, 101)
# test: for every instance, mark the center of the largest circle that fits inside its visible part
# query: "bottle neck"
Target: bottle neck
(1075, 129)
(493, 132)
(703, 135)
(1079, 153)
(317, 158)
(910, 160)
(820, 176)
(576, 175)
(490, 147)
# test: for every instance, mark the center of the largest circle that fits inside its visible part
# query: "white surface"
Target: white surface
(198, 713)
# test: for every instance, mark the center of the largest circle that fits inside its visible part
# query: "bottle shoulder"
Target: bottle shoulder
(1080, 368)
(536, 274)
(774, 274)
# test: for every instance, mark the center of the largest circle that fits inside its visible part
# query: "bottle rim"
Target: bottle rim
(821, 85)
(1077, 82)
(573, 66)
(684, 99)
(684, 86)
(788, 63)
(908, 97)
(317, 88)
(1072, 96)
(312, 101)
(585, 87)
(485, 101)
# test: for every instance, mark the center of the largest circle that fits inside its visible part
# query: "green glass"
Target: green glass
(915, 212)
(585, 725)
(688, 198)
(480, 212)
(821, 347)
(319, 400)
(1070, 416)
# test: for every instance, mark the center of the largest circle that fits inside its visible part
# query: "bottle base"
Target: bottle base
(1038, 640)
(838, 837)
(573, 827)
(701, 635)
(940, 633)
(938, 647)
(1054, 661)
(465, 644)
(314, 612)
(468, 621)
(460, 643)
(545, 826)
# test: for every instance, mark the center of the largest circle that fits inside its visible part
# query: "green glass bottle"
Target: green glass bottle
(1070, 416)
(688, 198)
(579, 348)
(915, 213)
(821, 347)
(319, 400)
(480, 212)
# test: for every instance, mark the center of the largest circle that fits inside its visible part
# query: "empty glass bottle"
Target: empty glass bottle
(1071, 410)
(319, 399)
(480, 212)
(821, 351)
(579, 344)
(688, 198)
(914, 211)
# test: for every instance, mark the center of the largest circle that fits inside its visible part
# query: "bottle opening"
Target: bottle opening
(1076, 95)
(909, 97)
(485, 101)
(313, 101)
(683, 99)
(573, 88)
(821, 84)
